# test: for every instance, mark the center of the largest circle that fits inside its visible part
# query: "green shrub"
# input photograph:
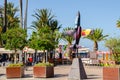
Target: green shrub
(107, 64)
(101, 64)
(44, 64)
(15, 65)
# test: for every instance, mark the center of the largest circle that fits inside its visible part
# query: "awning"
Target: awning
(3, 50)
(102, 52)
(30, 50)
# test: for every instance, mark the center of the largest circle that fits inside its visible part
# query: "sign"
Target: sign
(25, 49)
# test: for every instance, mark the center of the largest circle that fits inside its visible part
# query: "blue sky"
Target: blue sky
(94, 14)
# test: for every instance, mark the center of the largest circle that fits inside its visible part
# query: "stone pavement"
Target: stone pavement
(61, 73)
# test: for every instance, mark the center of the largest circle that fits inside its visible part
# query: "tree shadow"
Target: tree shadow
(92, 76)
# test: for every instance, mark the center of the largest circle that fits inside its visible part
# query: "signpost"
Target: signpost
(25, 50)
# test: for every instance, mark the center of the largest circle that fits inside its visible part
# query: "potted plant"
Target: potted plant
(111, 72)
(44, 70)
(15, 70)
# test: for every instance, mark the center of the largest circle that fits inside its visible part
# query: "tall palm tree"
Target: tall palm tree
(8, 19)
(68, 39)
(54, 25)
(118, 23)
(43, 17)
(12, 18)
(96, 37)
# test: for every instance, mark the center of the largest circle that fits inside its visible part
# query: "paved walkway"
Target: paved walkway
(61, 73)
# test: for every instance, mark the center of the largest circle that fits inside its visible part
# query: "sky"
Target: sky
(101, 14)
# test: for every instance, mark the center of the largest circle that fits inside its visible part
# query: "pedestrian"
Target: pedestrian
(30, 60)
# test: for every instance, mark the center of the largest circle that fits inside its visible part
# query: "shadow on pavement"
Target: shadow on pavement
(2, 74)
(93, 77)
(28, 75)
(60, 75)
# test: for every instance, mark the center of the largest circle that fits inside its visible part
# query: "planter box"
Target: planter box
(43, 72)
(51, 61)
(111, 73)
(14, 72)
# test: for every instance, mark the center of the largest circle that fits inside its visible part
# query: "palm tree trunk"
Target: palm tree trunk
(25, 20)
(21, 16)
(5, 17)
(111, 58)
(21, 25)
(69, 51)
(95, 46)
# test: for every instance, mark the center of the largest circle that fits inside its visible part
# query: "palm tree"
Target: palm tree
(12, 18)
(111, 43)
(118, 23)
(96, 37)
(43, 16)
(114, 46)
(8, 19)
(54, 25)
(68, 39)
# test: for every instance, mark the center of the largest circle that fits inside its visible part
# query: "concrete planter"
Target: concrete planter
(14, 72)
(43, 72)
(111, 73)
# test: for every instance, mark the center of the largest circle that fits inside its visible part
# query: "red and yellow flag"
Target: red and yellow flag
(86, 32)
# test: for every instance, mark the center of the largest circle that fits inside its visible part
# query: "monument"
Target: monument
(77, 71)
